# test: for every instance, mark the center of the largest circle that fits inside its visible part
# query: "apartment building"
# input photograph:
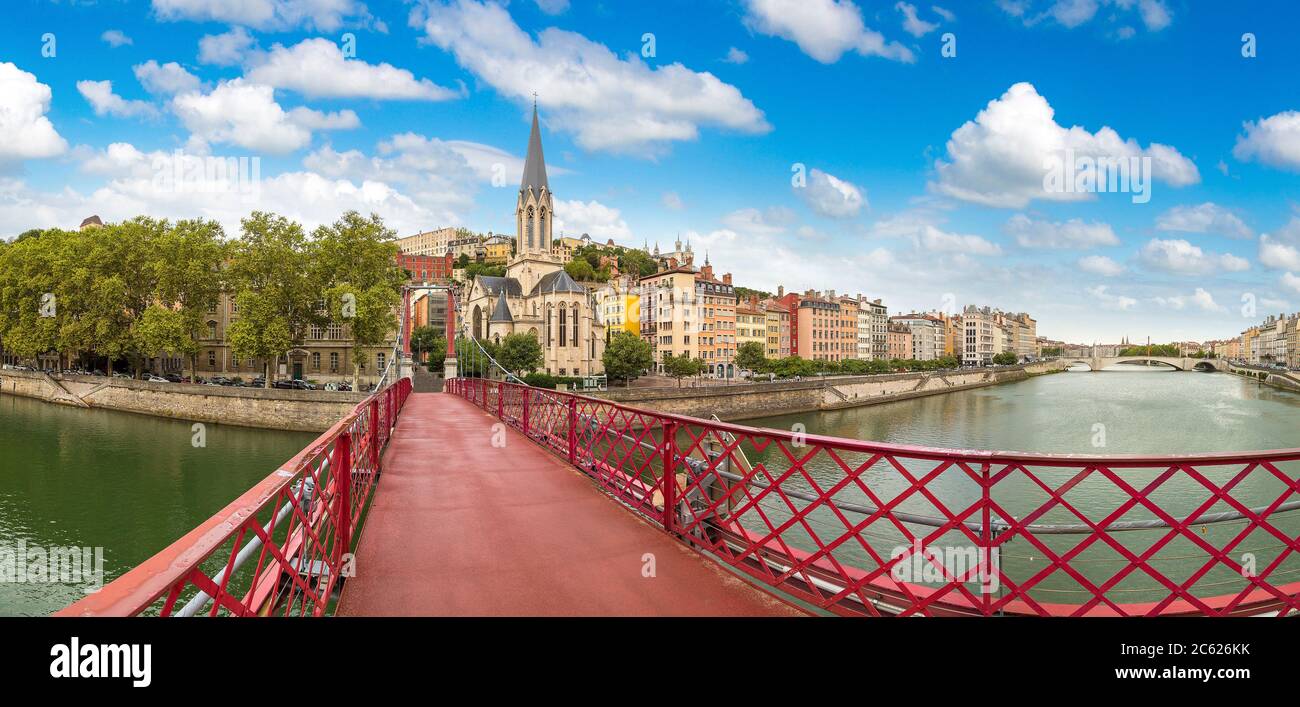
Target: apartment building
(426, 269)
(778, 329)
(928, 340)
(619, 304)
(863, 344)
(428, 242)
(879, 329)
(669, 322)
(848, 330)
(751, 324)
(716, 305)
(899, 340)
(983, 336)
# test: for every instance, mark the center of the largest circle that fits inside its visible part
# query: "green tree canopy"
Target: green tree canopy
(751, 355)
(626, 356)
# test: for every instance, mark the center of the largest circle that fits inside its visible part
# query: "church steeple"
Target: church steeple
(534, 163)
(536, 206)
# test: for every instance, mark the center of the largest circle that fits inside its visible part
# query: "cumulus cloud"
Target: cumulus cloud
(771, 221)
(247, 115)
(1100, 265)
(1180, 257)
(1201, 300)
(602, 222)
(1204, 218)
(735, 56)
(830, 196)
(166, 79)
(607, 102)
(115, 38)
(102, 99)
(323, 15)
(25, 132)
(317, 68)
(1153, 14)
(1274, 141)
(1002, 157)
(912, 24)
(823, 29)
(1278, 254)
(226, 49)
(1106, 300)
(1291, 282)
(553, 7)
(672, 200)
(1073, 234)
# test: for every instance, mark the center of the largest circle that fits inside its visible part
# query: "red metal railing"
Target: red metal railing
(860, 528)
(297, 524)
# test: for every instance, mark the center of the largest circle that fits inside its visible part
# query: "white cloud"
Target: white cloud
(226, 49)
(736, 56)
(672, 200)
(830, 196)
(947, 15)
(1201, 299)
(247, 115)
(1106, 300)
(607, 102)
(772, 221)
(115, 38)
(1277, 254)
(1100, 265)
(823, 29)
(1154, 14)
(1204, 218)
(912, 24)
(168, 79)
(317, 68)
(104, 102)
(553, 7)
(1181, 257)
(602, 222)
(1274, 141)
(25, 132)
(1291, 282)
(1001, 157)
(933, 239)
(1072, 234)
(323, 15)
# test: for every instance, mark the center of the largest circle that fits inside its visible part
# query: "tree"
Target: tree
(163, 330)
(277, 291)
(1006, 358)
(188, 261)
(636, 262)
(423, 340)
(680, 367)
(626, 356)
(580, 270)
(354, 264)
(519, 353)
(751, 355)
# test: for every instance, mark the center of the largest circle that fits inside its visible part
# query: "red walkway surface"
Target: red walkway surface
(459, 527)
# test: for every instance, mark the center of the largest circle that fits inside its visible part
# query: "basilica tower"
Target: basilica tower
(535, 207)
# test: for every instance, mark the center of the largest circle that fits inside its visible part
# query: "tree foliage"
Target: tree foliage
(519, 353)
(626, 356)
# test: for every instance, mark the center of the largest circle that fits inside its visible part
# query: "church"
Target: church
(537, 296)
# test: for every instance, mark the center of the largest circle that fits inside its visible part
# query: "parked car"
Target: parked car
(156, 379)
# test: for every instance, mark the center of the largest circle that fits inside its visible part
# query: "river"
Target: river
(129, 484)
(1123, 410)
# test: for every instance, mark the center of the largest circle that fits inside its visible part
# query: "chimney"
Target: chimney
(706, 272)
(780, 291)
(830, 294)
(726, 278)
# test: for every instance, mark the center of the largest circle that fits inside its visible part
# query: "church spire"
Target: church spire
(534, 163)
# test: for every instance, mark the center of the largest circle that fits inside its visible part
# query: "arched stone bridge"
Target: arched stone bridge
(1185, 363)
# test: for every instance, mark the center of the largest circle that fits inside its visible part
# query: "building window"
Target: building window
(563, 326)
(212, 359)
(379, 361)
(212, 330)
(334, 362)
(315, 360)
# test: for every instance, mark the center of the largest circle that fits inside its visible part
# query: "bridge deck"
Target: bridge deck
(459, 527)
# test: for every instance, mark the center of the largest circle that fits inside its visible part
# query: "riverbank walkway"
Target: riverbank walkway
(460, 527)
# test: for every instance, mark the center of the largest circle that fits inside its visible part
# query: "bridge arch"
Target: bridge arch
(1164, 362)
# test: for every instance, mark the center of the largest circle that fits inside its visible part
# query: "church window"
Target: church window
(548, 328)
(575, 325)
(530, 229)
(563, 326)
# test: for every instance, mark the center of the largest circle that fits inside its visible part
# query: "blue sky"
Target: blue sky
(921, 173)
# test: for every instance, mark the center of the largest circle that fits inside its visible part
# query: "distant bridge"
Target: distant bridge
(1184, 363)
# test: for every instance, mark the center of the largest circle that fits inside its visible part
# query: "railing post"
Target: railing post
(525, 421)
(669, 490)
(374, 435)
(986, 538)
(573, 431)
(501, 404)
(341, 466)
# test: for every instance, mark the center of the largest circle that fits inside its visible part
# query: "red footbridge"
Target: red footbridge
(495, 498)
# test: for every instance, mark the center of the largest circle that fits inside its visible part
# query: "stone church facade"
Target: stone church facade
(537, 296)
